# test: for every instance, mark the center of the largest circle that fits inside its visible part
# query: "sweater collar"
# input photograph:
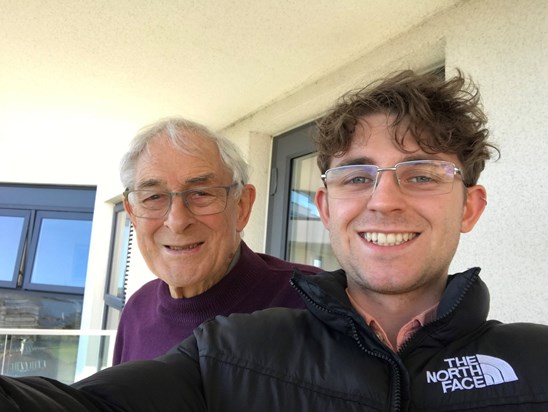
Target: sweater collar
(218, 298)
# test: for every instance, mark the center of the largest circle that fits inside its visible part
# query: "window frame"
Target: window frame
(113, 301)
(31, 201)
(35, 236)
(285, 147)
(26, 215)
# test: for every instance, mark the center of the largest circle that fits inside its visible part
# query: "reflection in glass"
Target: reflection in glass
(11, 228)
(308, 241)
(19, 309)
(54, 355)
(62, 252)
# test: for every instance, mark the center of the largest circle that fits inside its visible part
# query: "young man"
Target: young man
(391, 330)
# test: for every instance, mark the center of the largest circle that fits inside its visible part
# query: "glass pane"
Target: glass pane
(31, 310)
(62, 253)
(51, 356)
(11, 234)
(308, 240)
(56, 356)
(112, 318)
(119, 255)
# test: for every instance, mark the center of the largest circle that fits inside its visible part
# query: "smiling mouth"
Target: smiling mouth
(187, 247)
(388, 239)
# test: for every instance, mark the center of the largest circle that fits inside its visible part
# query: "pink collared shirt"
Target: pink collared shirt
(404, 333)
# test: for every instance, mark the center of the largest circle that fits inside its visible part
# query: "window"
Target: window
(44, 244)
(58, 253)
(295, 178)
(120, 247)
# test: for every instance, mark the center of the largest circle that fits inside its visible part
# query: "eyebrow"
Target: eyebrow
(192, 181)
(365, 160)
(356, 161)
(148, 183)
(200, 179)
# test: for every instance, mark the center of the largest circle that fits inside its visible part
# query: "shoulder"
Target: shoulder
(528, 334)
(150, 291)
(263, 327)
(522, 346)
(267, 337)
(272, 342)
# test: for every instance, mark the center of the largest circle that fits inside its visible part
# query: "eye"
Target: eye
(153, 197)
(358, 178)
(201, 196)
(421, 179)
(200, 193)
(422, 176)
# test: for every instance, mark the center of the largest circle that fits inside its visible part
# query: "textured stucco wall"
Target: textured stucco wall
(503, 46)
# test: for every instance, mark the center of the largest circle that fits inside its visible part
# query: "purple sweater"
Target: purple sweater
(153, 322)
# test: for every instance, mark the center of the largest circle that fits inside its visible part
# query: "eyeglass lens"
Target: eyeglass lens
(415, 177)
(153, 204)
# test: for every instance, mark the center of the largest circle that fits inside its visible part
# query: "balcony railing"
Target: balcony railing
(67, 355)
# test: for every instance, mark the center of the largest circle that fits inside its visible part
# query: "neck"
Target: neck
(393, 311)
(190, 291)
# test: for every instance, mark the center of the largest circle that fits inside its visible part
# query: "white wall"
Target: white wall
(503, 45)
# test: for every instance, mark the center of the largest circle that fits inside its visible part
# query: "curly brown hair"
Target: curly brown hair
(444, 116)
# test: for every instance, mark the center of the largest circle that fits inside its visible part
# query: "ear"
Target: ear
(244, 206)
(474, 206)
(322, 204)
(127, 207)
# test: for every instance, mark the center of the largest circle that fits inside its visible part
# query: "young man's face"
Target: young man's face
(428, 226)
(190, 253)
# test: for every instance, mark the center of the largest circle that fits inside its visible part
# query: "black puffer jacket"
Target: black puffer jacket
(327, 359)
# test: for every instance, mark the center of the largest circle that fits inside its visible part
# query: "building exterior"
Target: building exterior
(502, 45)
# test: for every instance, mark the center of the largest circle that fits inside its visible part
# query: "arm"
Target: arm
(45, 395)
(170, 383)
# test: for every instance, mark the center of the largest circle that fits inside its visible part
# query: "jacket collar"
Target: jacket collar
(463, 307)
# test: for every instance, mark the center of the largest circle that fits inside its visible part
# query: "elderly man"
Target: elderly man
(189, 200)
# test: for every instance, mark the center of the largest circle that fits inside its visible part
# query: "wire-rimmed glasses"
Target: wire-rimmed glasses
(200, 201)
(416, 177)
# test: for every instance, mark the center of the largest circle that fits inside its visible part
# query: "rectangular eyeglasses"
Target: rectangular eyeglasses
(200, 201)
(416, 177)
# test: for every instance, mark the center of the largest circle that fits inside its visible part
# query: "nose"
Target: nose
(178, 216)
(386, 195)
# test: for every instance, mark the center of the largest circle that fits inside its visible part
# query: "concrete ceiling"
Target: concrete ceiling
(211, 61)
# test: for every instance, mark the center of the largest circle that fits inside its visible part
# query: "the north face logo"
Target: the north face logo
(470, 372)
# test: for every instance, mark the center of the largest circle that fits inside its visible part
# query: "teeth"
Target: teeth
(388, 239)
(183, 247)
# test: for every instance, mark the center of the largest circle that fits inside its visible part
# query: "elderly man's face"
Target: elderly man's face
(190, 253)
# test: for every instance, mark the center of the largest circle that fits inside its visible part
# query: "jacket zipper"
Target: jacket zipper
(433, 324)
(396, 393)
